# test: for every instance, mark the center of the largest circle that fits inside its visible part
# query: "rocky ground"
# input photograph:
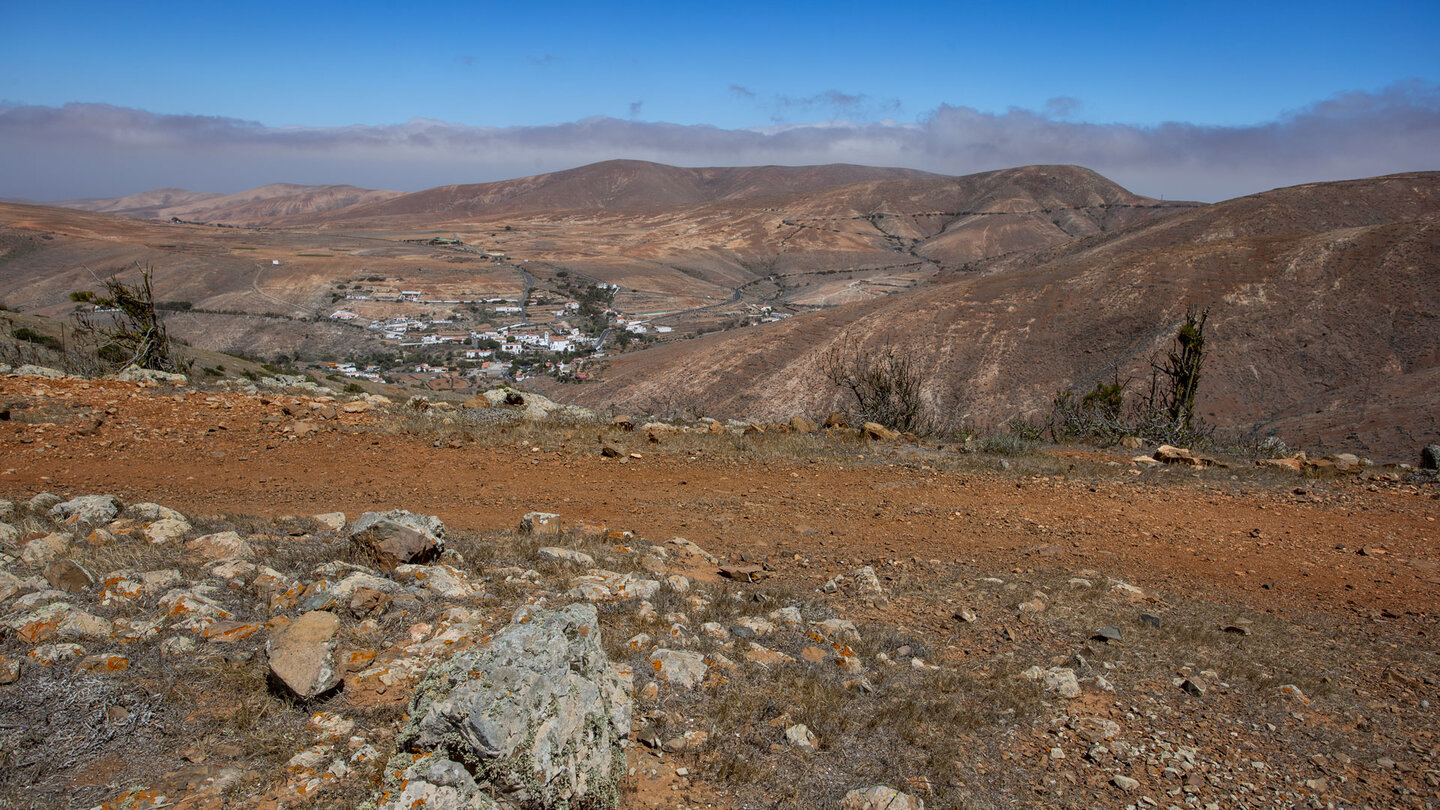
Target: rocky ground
(219, 606)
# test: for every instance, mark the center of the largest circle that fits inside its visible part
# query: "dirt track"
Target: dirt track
(1252, 542)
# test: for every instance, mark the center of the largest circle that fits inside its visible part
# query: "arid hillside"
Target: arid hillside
(1321, 296)
(256, 206)
(613, 185)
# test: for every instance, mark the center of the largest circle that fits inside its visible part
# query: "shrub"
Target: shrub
(886, 384)
(31, 336)
(136, 335)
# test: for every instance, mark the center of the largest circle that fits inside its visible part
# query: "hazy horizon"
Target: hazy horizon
(1187, 102)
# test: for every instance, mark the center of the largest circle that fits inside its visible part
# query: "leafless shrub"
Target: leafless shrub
(886, 383)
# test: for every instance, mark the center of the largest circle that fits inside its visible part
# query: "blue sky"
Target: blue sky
(736, 66)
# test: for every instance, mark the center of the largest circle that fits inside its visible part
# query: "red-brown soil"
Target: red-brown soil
(1274, 543)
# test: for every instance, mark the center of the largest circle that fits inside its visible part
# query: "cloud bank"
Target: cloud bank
(98, 150)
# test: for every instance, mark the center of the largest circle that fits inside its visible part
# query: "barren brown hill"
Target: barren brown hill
(614, 185)
(1323, 324)
(253, 207)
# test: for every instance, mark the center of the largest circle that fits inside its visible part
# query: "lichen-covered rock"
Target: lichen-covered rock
(150, 375)
(302, 656)
(880, 797)
(153, 511)
(540, 713)
(89, 509)
(398, 537)
(436, 783)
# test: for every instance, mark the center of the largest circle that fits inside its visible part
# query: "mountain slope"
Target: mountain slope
(615, 185)
(252, 207)
(1322, 296)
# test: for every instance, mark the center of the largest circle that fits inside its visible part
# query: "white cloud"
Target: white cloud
(102, 150)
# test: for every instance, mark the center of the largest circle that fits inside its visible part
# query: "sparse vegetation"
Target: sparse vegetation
(1165, 415)
(136, 335)
(886, 384)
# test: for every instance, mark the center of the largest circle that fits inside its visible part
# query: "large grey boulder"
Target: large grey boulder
(398, 537)
(539, 714)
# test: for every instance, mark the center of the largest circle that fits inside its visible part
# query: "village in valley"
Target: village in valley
(468, 340)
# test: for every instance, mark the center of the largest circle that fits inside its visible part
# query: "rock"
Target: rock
(9, 535)
(1166, 454)
(1430, 457)
(42, 503)
(149, 375)
(1060, 680)
(220, 546)
(441, 580)
(166, 530)
(435, 783)
(9, 670)
(50, 654)
(69, 576)
(540, 713)
(880, 797)
(30, 370)
(689, 549)
(678, 667)
(1192, 688)
(757, 626)
(746, 572)
(1294, 692)
(540, 523)
(302, 655)
(91, 510)
(879, 432)
(59, 620)
(365, 601)
(789, 616)
(569, 555)
(1106, 634)
(1125, 783)
(334, 521)
(677, 583)
(1095, 729)
(766, 657)
(398, 537)
(801, 737)
(836, 629)
(44, 550)
(866, 582)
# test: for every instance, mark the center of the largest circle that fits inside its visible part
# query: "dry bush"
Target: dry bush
(887, 384)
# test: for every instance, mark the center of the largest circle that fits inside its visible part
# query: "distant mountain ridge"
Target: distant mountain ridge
(252, 207)
(619, 185)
